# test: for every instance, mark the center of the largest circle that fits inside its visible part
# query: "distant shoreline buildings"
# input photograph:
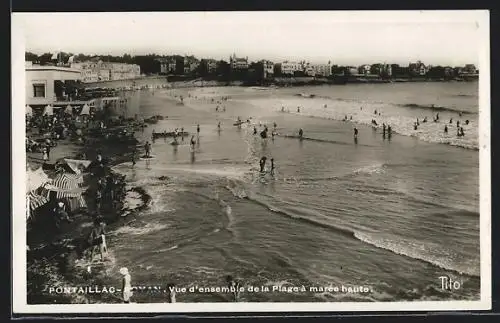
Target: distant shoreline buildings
(111, 68)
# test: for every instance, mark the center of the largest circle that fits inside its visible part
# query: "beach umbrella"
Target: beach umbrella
(29, 110)
(69, 109)
(48, 110)
(85, 110)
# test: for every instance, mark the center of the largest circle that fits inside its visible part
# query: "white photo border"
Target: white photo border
(19, 273)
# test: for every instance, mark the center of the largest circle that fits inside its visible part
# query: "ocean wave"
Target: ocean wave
(146, 229)
(401, 120)
(415, 250)
(434, 108)
(434, 255)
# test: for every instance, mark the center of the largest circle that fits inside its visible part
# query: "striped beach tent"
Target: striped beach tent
(35, 201)
(68, 187)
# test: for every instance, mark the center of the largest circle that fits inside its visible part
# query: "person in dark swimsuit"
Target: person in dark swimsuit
(262, 164)
(355, 133)
(301, 133)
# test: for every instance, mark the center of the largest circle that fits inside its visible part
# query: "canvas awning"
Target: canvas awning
(69, 109)
(76, 165)
(29, 110)
(66, 185)
(36, 179)
(48, 110)
(85, 110)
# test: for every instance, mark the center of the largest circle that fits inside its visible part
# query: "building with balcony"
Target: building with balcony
(46, 84)
(289, 68)
(238, 63)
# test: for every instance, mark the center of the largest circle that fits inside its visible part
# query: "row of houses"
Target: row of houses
(97, 71)
(189, 65)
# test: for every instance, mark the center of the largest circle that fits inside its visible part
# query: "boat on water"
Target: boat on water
(170, 134)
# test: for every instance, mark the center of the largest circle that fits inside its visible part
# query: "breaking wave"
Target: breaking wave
(434, 255)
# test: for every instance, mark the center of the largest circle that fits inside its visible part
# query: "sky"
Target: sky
(342, 37)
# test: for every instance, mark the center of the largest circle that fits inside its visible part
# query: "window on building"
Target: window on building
(39, 90)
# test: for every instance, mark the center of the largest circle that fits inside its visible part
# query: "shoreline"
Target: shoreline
(56, 261)
(152, 82)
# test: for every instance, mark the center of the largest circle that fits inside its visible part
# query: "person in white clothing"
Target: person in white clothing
(126, 285)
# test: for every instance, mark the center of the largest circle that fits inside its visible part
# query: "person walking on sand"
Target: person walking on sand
(126, 285)
(45, 155)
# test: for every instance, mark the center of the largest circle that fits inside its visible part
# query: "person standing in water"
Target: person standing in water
(301, 133)
(383, 129)
(218, 126)
(355, 133)
(389, 131)
(445, 129)
(193, 142)
(126, 285)
(262, 164)
(254, 130)
(272, 166)
(198, 129)
(147, 147)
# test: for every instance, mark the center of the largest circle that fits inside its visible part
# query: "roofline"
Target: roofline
(55, 68)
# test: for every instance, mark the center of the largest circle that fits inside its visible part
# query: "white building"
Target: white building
(365, 69)
(104, 71)
(289, 68)
(323, 70)
(40, 82)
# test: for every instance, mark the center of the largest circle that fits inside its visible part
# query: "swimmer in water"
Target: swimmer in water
(445, 129)
(298, 109)
(458, 123)
(301, 133)
(254, 130)
(467, 122)
(193, 142)
(198, 128)
(218, 126)
(415, 127)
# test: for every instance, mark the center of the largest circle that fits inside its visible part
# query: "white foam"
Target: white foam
(428, 252)
(148, 228)
(399, 118)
